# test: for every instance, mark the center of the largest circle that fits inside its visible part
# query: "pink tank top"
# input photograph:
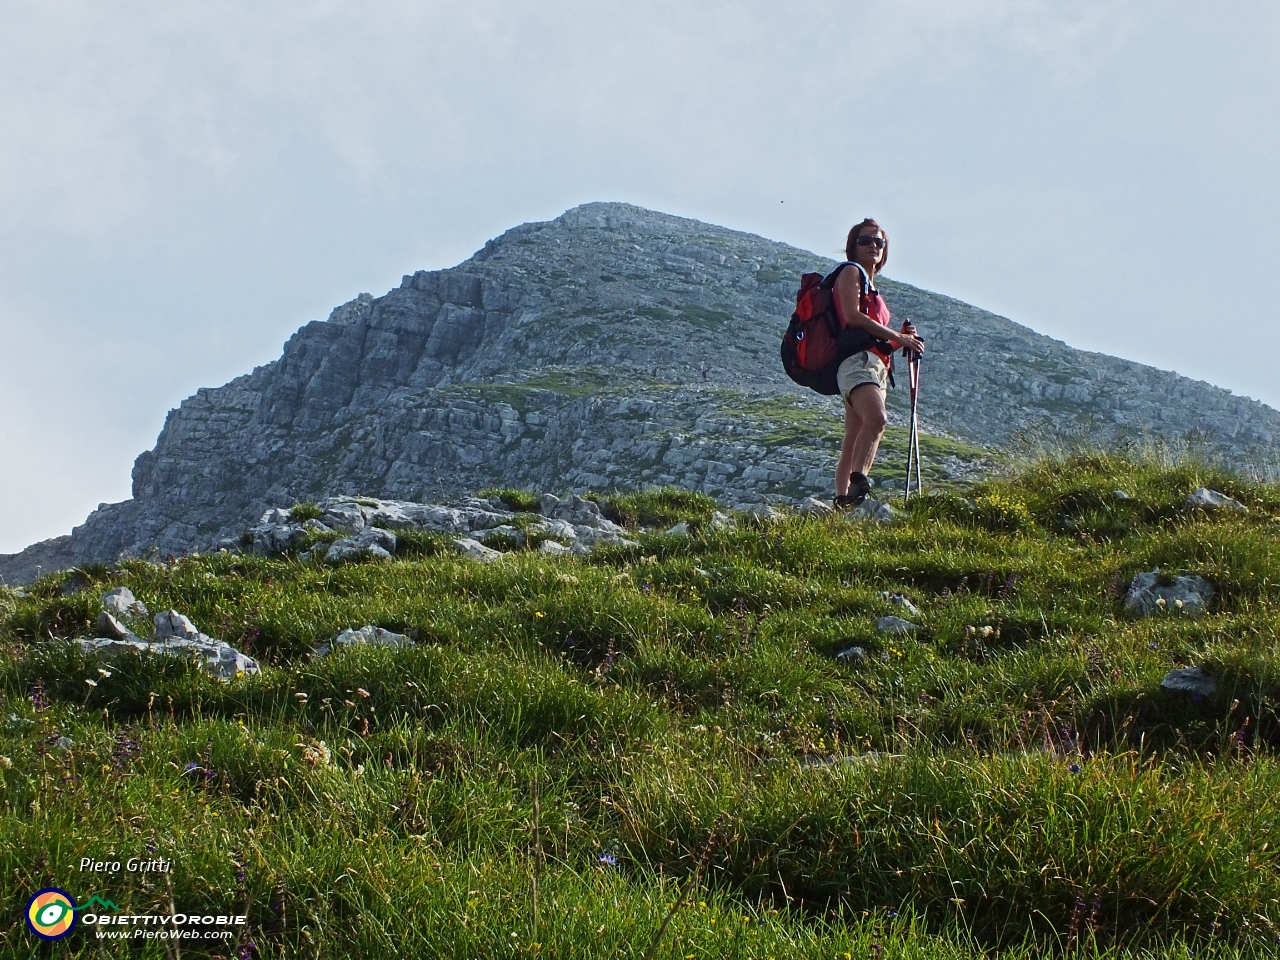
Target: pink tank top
(872, 304)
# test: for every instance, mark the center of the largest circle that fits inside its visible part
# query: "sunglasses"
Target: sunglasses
(868, 241)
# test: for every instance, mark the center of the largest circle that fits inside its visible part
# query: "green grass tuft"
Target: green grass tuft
(670, 737)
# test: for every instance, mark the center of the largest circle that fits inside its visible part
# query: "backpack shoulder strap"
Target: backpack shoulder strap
(862, 275)
(830, 280)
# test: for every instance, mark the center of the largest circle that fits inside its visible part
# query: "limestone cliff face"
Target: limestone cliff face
(611, 347)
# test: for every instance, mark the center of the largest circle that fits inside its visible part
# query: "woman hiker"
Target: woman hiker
(864, 376)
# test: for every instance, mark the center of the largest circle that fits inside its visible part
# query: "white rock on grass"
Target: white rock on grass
(176, 636)
(170, 625)
(1147, 595)
(275, 533)
(1202, 498)
(814, 507)
(851, 655)
(121, 602)
(1193, 680)
(475, 550)
(372, 542)
(113, 628)
(875, 511)
(896, 626)
(761, 514)
(343, 515)
(720, 521)
(556, 529)
(367, 635)
(680, 529)
(552, 549)
(901, 601)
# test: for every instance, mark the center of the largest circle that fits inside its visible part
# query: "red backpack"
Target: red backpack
(815, 345)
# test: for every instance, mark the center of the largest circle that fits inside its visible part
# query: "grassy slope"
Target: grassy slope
(1010, 778)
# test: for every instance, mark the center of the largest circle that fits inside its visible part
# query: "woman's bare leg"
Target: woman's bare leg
(852, 426)
(867, 406)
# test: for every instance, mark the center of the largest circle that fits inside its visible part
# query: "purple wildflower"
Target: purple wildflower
(607, 859)
(1073, 767)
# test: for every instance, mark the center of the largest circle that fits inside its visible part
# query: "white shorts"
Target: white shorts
(860, 369)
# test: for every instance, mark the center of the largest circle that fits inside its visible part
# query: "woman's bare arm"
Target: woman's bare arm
(848, 292)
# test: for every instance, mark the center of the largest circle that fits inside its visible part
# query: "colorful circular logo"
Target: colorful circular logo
(51, 914)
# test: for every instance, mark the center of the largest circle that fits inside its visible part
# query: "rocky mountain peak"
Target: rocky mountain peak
(612, 347)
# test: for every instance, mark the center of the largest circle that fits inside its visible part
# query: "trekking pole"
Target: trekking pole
(915, 420)
(913, 442)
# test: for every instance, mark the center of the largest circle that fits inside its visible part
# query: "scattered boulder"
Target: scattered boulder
(175, 635)
(896, 626)
(1202, 498)
(814, 507)
(114, 628)
(681, 529)
(1120, 495)
(475, 550)
(875, 511)
(901, 601)
(552, 549)
(556, 529)
(275, 533)
(1148, 595)
(171, 625)
(761, 514)
(851, 655)
(1193, 680)
(720, 521)
(371, 542)
(367, 635)
(121, 602)
(343, 515)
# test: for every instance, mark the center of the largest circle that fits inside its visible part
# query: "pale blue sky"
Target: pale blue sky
(183, 184)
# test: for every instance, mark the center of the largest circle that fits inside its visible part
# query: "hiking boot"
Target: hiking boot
(859, 490)
(849, 500)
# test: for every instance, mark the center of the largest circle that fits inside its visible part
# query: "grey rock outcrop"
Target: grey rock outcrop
(121, 602)
(899, 600)
(814, 507)
(1148, 595)
(372, 542)
(475, 550)
(875, 511)
(175, 636)
(1202, 498)
(896, 626)
(275, 533)
(365, 636)
(565, 355)
(1193, 680)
